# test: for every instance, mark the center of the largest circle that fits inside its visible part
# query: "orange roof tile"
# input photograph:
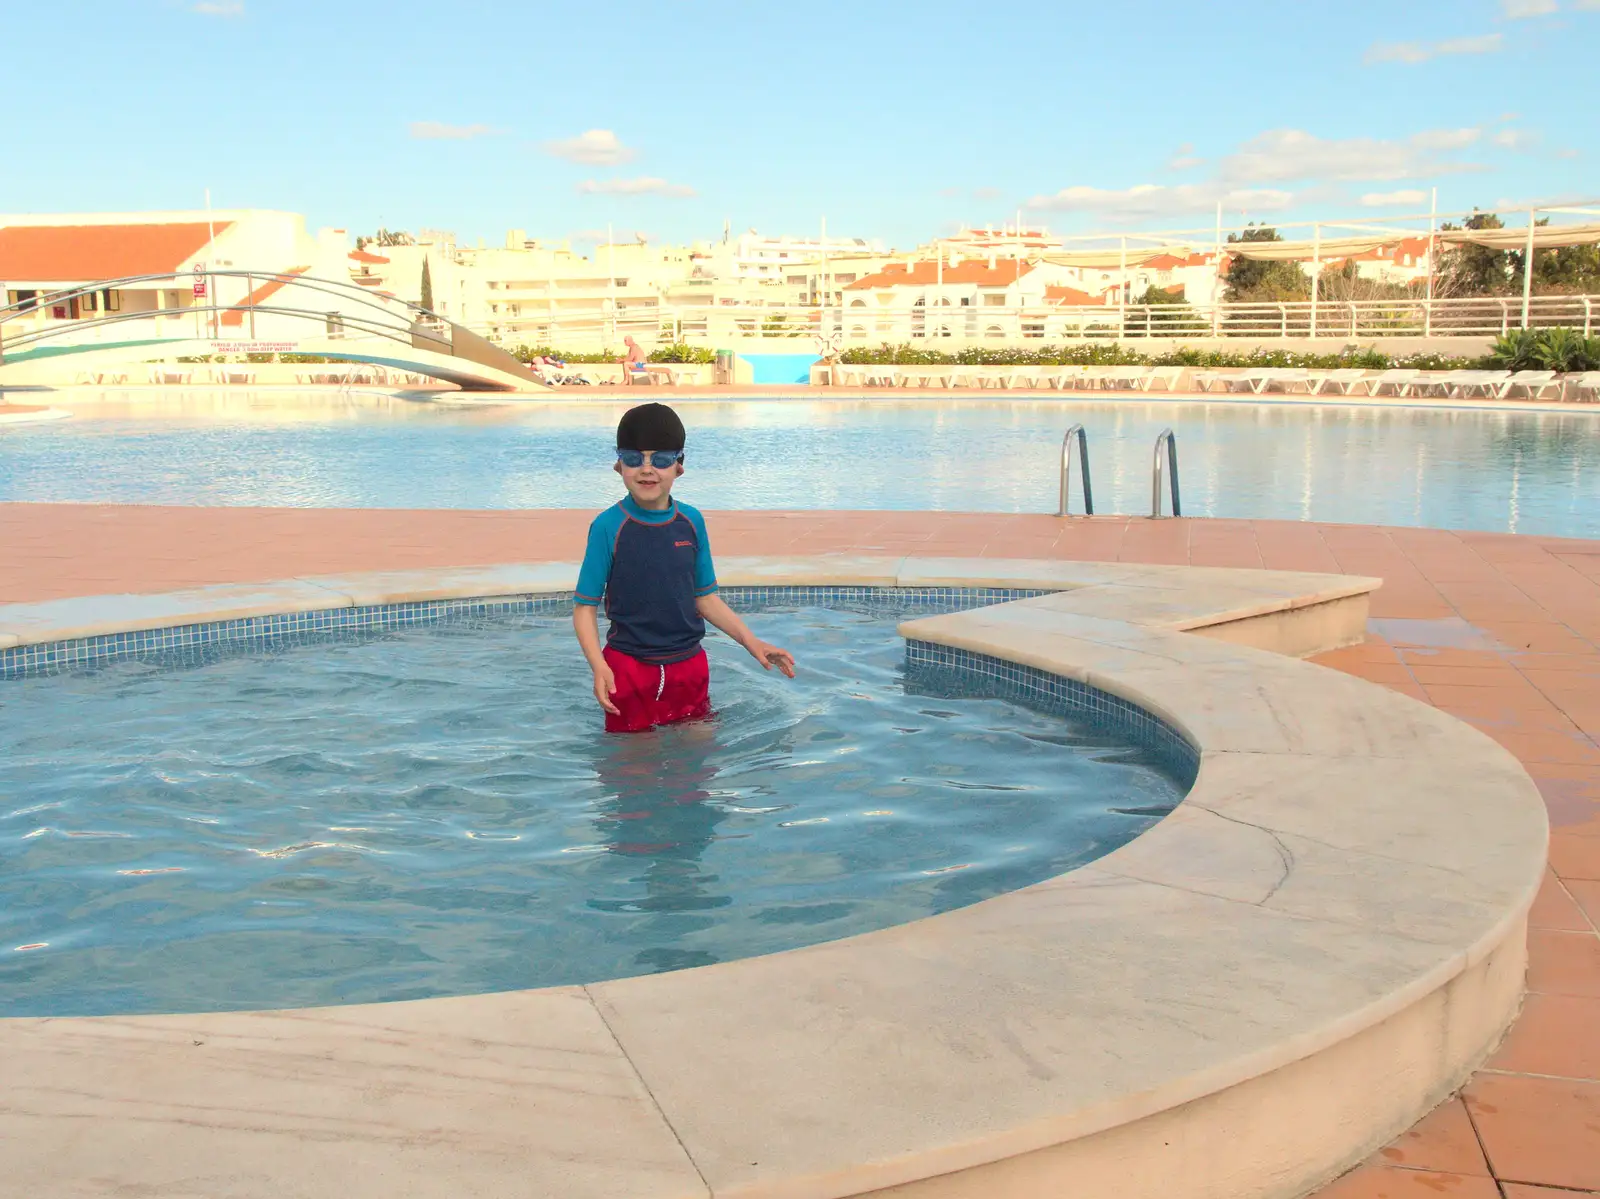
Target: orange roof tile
(85, 253)
(1072, 296)
(235, 315)
(1005, 272)
(1165, 262)
(364, 256)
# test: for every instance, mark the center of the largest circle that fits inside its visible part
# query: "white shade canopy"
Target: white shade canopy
(1106, 259)
(1544, 237)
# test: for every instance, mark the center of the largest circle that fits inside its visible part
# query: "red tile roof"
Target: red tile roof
(1072, 296)
(1005, 272)
(363, 256)
(235, 315)
(1165, 262)
(86, 253)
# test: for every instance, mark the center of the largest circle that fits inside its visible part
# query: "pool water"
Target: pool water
(1500, 470)
(437, 811)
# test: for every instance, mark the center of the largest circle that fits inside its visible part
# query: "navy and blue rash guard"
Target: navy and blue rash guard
(649, 568)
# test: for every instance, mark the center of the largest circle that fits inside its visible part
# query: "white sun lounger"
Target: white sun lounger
(1221, 380)
(1399, 379)
(1126, 378)
(1167, 375)
(1343, 379)
(1588, 381)
(927, 376)
(1091, 378)
(1283, 376)
(1534, 383)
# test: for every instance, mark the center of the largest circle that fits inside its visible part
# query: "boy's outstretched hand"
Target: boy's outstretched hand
(605, 685)
(770, 655)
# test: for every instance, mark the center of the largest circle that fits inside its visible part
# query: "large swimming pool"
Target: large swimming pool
(1502, 470)
(437, 811)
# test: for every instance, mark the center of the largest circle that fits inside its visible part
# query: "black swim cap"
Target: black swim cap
(650, 427)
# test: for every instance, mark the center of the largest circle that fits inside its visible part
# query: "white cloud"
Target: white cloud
(1285, 154)
(1515, 140)
(1185, 159)
(1518, 10)
(1259, 174)
(1587, 5)
(1412, 53)
(986, 193)
(1569, 153)
(1153, 200)
(1512, 203)
(593, 147)
(647, 185)
(439, 131)
(1393, 199)
(219, 8)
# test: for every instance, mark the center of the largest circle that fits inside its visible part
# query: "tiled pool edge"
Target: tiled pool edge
(1095, 649)
(50, 656)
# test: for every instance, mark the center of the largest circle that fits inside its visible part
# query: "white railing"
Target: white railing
(1326, 320)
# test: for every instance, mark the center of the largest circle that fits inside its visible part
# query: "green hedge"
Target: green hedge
(676, 352)
(1117, 354)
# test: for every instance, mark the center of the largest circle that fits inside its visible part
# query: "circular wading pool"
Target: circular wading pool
(421, 801)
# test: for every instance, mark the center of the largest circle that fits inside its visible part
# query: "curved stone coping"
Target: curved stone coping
(1320, 942)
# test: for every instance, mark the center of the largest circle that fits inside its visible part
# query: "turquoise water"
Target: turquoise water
(1502, 470)
(438, 812)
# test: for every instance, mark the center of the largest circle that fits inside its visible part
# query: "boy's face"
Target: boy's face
(649, 486)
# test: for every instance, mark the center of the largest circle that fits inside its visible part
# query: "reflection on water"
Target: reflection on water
(657, 812)
(1502, 470)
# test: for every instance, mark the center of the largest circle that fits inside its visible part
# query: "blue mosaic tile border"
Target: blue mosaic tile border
(934, 667)
(947, 671)
(206, 641)
(260, 632)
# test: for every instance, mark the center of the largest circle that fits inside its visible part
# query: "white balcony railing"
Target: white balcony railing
(1328, 320)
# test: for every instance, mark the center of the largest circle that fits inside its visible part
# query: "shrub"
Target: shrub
(1566, 350)
(1517, 350)
(671, 352)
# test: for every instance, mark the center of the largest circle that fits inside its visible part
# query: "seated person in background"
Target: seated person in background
(634, 363)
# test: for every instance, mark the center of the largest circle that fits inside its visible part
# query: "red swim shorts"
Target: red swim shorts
(648, 695)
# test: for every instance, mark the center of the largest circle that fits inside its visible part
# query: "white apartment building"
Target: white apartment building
(536, 293)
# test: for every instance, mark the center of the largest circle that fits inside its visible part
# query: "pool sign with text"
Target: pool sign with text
(254, 347)
(199, 280)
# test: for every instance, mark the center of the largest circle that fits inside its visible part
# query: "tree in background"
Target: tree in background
(1469, 270)
(427, 286)
(1252, 281)
(1565, 270)
(1178, 315)
(1342, 282)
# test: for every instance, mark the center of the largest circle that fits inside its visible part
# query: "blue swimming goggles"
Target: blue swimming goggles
(660, 459)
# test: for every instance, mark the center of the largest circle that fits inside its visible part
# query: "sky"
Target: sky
(892, 121)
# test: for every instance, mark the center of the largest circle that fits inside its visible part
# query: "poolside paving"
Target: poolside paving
(1502, 631)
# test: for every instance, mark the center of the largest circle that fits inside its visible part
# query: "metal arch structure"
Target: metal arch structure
(391, 332)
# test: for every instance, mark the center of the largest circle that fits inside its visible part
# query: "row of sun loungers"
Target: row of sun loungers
(189, 376)
(1120, 378)
(1459, 384)
(1347, 381)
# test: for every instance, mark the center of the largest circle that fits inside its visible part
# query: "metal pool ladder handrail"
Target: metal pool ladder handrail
(1172, 471)
(1066, 470)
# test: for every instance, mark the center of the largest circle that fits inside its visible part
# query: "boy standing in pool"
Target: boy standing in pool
(649, 559)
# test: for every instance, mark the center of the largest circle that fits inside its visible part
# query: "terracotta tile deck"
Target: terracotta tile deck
(1502, 631)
